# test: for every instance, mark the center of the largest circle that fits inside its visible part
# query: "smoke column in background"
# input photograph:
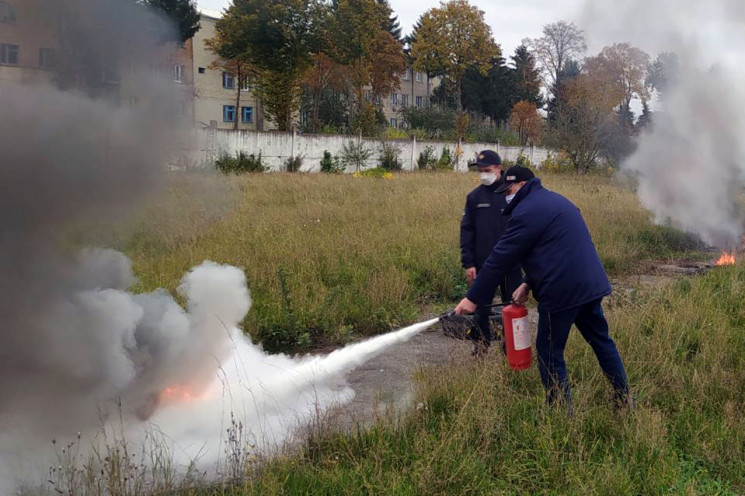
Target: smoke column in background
(691, 165)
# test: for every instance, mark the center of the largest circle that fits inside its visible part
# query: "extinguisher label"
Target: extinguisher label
(521, 333)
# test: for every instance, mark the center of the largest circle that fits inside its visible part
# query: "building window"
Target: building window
(7, 14)
(46, 58)
(178, 73)
(405, 100)
(247, 115)
(419, 102)
(228, 113)
(201, 70)
(9, 54)
(394, 123)
(367, 95)
(228, 81)
(407, 75)
(419, 77)
(394, 99)
(246, 86)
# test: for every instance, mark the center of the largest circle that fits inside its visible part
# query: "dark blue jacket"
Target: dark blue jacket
(547, 235)
(482, 225)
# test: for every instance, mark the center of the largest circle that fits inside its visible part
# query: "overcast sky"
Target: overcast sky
(510, 20)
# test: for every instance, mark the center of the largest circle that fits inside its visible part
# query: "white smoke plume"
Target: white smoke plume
(691, 165)
(78, 350)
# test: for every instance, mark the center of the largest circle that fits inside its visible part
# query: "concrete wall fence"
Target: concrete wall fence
(276, 148)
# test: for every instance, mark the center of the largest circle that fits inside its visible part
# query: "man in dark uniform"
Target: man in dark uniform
(548, 237)
(480, 229)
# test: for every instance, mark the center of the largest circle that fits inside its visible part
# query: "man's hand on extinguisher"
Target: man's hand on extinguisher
(470, 275)
(465, 306)
(520, 296)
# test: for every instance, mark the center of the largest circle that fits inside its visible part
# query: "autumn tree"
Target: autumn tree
(625, 66)
(374, 58)
(238, 68)
(428, 60)
(526, 121)
(278, 39)
(456, 35)
(561, 42)
(325, 79)
(586, 128)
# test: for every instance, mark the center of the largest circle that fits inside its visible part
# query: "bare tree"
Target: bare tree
(561, 41)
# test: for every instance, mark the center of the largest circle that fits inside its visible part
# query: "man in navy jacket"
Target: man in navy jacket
(481, 227)
(548, 237)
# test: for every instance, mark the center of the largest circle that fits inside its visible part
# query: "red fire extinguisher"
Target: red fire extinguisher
(517, 336)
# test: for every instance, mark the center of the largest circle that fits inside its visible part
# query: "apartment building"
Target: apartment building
(28, 41)
(41, 42)
(412, 91)
(219, 102)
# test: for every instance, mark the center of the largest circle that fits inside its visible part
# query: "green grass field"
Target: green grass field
(330, 258)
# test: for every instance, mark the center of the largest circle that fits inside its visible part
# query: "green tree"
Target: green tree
(374, 58)
(392, 25)
(183, 14)
(278, 38)
(527, 76)
(492, 94)
(456, 35)
(663, 72)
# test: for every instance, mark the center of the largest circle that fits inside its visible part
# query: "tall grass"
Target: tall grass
(329, 257)
(483, 429)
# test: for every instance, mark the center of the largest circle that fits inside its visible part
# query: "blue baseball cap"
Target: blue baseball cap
(488, 158)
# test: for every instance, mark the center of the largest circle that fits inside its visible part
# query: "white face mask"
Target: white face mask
(488, 178)
(509, 198)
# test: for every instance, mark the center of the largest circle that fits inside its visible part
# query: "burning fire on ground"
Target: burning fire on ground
(726, 259)
(182, 394)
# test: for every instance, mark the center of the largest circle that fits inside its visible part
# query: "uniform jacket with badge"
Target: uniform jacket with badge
(482, 224)
(547, 235)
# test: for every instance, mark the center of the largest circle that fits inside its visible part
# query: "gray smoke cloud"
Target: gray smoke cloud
(81, 353)
(71, 338)
(691, 165)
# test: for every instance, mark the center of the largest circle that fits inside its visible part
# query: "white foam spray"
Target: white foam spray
(186, 374)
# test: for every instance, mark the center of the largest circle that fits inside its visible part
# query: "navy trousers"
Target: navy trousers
(482, 330)
(553, 332)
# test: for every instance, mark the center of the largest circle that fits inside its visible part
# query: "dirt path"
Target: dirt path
(386, 381)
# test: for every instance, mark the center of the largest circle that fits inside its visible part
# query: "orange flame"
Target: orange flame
(182, 394)
(726, 259)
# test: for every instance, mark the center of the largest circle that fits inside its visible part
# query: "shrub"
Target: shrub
(329, 163)
(389, 157)
(446, 160)
(558, 165)
(393, 133)
(355, 154)
(239, 164)
(427, 159)
(293, 164)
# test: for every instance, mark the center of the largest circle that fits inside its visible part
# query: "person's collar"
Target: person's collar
(534, 183)
(497, 183)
